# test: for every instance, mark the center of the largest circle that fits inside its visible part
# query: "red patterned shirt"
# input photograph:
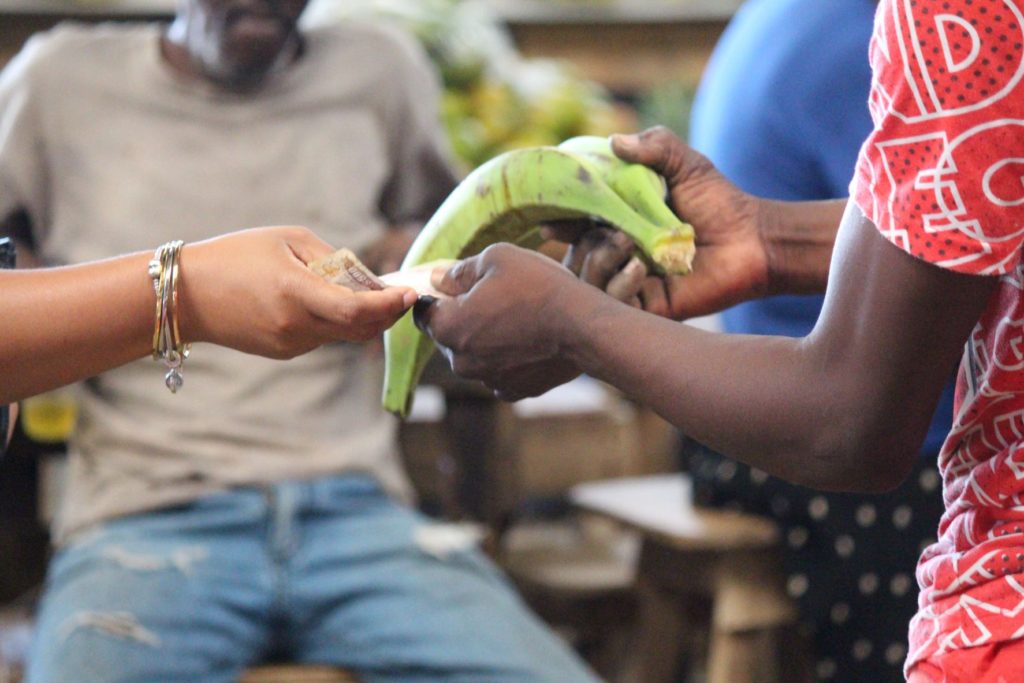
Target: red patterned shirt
(942, 176)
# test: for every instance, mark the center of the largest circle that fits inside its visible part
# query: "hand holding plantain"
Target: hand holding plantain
(509, 308)
(733, 262)
(506, 199)
(513, 318)
(607, 259)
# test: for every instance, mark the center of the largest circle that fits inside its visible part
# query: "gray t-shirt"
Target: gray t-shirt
(110, 151)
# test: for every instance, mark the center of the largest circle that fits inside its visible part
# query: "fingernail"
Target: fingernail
(625, 141)
(635, 267)
(437, 275)
(421, 311)
(409, 298)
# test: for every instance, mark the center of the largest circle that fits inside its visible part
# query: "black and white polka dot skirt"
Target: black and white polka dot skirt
(849, 560)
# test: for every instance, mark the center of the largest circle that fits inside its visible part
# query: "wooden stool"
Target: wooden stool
(291, 673)
(579, 580)
(686, 553)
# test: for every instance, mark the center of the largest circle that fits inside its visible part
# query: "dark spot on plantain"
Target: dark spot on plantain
(583, 175)
(483, 189)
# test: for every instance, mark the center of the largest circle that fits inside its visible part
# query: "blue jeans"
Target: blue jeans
(329, 571)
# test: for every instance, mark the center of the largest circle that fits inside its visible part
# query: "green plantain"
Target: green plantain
(644, 191)
(506, 199)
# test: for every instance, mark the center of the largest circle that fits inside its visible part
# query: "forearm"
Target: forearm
(844, 408)
(729, 391)
(250, 290)
(65, 324)
(764, 401)
(798, 239)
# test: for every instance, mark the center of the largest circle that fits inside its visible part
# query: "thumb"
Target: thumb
(458, 278)
(660, 149)
(340, 305)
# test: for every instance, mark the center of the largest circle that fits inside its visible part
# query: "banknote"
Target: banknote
(343, 267)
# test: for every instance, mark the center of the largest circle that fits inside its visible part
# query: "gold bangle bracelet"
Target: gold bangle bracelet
(167, 342)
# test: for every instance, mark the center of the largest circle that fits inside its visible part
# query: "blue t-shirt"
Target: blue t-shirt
(782, 111)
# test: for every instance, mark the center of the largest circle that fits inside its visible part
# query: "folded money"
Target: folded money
(344, 268)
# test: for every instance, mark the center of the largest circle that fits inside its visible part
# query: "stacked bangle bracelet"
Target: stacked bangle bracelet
(167, 343)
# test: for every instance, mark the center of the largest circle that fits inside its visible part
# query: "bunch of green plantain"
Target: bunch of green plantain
(508, 198)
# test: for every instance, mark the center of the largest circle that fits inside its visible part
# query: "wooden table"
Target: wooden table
(687, 555)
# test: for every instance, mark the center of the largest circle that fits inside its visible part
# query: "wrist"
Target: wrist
(577, 310)
(797, 238)
(164, 270)
(771, 231)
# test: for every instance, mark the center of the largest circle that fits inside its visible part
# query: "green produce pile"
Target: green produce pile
(494, 100)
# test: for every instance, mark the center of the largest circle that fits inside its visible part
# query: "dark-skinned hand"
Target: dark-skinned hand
(501, 324)
(732, 263)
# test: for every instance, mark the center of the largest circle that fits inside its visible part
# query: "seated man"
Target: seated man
(261, 511)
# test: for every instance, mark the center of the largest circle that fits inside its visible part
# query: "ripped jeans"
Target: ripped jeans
(329, 571)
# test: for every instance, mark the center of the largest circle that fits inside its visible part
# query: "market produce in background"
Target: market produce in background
(494, 99)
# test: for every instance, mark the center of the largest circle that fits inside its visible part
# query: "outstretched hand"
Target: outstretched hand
(251, 290)
(504, 320)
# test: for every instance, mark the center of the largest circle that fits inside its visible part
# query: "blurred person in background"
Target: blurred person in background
(782, 112)
(262, 511)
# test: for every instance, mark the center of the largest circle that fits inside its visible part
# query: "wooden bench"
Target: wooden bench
(686, 553)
